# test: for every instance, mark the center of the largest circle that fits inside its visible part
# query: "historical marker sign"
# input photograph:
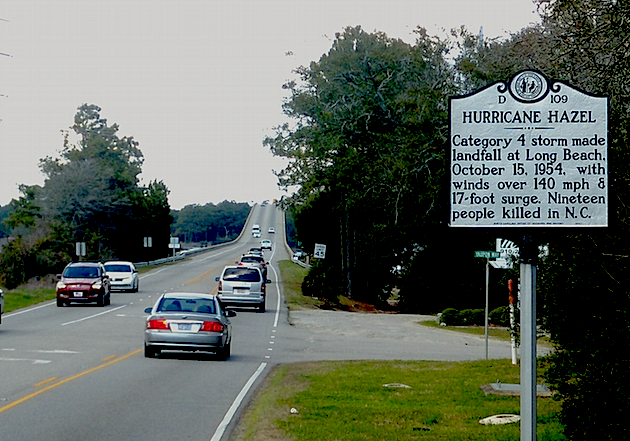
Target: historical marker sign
(529, 153)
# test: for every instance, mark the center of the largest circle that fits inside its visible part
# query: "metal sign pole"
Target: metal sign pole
(529, 253)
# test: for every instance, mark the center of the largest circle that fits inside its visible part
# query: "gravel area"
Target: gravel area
(401, 326)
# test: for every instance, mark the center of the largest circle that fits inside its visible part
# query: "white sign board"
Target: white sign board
(320, 251)
(529, 153)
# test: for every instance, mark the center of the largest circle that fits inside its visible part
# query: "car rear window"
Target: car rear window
(118, 268)
(249, 259)
(241, 275)
(176, 304)
(87, 272)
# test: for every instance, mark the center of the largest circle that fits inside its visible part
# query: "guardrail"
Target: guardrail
(183, 254)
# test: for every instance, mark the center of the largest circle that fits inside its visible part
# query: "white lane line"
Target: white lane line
(27, 359)
(27, 310)
(237, 402)
(92, 316)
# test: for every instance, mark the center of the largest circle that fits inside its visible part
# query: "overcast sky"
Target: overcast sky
(198, 83)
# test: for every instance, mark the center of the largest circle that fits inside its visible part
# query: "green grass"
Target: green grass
(23, 297)
(292, 277)
(346, 401)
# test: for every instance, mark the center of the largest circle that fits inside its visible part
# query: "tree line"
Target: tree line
(92, 194)
(367, 147)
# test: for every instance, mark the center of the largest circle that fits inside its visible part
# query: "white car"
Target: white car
(271, 230)
(265, 244)
(123, 276)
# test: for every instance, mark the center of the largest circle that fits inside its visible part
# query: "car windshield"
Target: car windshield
(118, 268)
(242, 274)
(251, 259)
(176, 304)
(86, 272)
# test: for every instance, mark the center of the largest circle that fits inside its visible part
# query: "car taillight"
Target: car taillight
(212, 327)
(157, 324)
(220, 285)
(262, 288)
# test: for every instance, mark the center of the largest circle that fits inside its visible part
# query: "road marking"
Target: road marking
(33, 361)
(109, 358)
(235, 405)
(201, 277)
(67, 380)
(92, 316)
(41, 383)
(27, 310)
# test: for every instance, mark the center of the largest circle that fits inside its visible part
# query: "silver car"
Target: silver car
(188, 322)
(122, 276)
(242, 286)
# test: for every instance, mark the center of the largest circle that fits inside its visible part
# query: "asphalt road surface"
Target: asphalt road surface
(78, 372)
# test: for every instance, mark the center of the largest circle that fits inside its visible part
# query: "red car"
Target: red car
(83, 282)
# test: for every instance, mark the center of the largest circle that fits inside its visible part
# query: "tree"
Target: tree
(369, 139)
(91, 194)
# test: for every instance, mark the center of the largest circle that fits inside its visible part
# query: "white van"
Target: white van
(256, 230)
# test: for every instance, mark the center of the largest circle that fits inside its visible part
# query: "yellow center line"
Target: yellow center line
(111, 357)
(67, 380)
(41, 383)
(203, 276)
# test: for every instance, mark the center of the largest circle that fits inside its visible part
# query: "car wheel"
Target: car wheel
(100, 301)
(261, 307)
(108, 300)
(59, 303)
(137, 288)
(224, 352)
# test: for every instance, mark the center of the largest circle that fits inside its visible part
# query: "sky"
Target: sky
(198, 83)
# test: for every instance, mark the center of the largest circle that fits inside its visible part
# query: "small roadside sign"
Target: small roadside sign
(320, 251)
(488, 254)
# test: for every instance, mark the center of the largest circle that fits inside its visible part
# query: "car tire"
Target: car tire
(60, 303)
(262, 307)
(108, 300)
(100, 301)
(225, 351)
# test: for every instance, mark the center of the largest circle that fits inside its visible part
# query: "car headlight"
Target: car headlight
(97, 285)
(61, 285)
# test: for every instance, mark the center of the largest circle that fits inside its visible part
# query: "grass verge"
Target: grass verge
(348, 401)
(23, 297)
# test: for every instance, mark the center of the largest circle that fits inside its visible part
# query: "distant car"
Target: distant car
(1, 304)
(298, 254)
(265, 244)
(257, 251)
(242, 286)
(83, 282)
(271, 230)
(188, 322)
(122, 275)
(256, 230)
(254, 260)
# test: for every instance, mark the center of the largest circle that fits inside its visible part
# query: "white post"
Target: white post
(487, 287)
(528, 340)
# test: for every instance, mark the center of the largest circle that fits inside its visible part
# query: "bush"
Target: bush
(500, 316)
(465, 317)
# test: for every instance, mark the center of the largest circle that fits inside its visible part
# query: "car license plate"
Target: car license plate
(184, 326)
(78, 294)
(241, 291)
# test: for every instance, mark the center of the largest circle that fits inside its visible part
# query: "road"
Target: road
(78, 372)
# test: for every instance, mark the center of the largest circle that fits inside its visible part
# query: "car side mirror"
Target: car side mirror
(267, 281)
(58, 276)
(217, 279)
(230, 313)
(148, 310)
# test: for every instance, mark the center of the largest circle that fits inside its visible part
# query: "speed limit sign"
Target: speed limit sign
(320, 251)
